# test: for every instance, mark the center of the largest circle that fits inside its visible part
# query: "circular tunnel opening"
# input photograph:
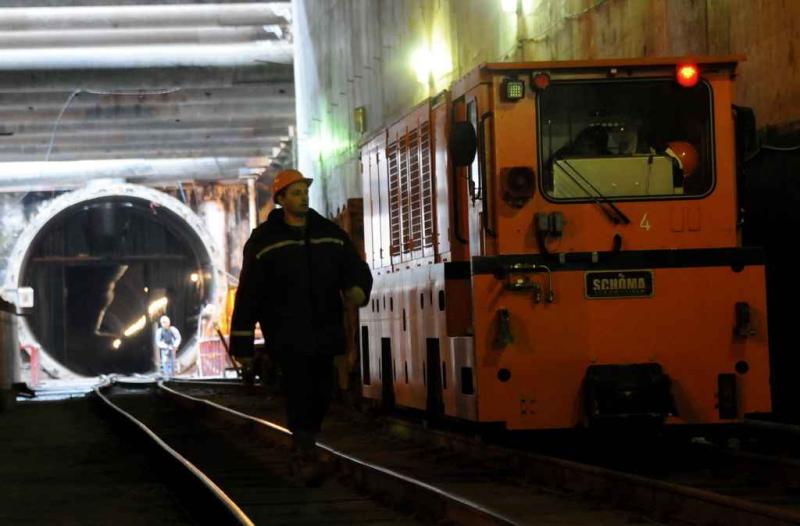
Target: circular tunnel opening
(103, 272)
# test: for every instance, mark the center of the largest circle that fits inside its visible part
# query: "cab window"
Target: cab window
(632, 139)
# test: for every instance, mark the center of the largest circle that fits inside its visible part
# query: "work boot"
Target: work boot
(305, 469)
(312, 472)
(295, 464)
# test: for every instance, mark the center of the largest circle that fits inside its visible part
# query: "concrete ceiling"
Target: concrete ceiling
(145, 80)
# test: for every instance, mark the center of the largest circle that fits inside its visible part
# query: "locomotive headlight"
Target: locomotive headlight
(518, 185)
(513, 89)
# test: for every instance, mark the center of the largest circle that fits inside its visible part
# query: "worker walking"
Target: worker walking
(298, 269)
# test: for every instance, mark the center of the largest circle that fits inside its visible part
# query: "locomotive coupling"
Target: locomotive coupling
(636, 391)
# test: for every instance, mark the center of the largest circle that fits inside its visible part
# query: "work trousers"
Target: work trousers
(308, 386)
(167, 362)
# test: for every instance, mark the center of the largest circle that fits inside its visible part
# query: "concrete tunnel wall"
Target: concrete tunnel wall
(386, 56)
(194, 228)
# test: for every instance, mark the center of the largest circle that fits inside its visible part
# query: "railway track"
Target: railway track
(236, 465)
(61, 462)
(695, 481)
(704, 484)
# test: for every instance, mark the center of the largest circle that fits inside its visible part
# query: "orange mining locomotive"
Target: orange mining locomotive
(557, 244)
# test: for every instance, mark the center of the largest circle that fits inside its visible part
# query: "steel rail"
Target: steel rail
(228, 510)
(660, 499)
(400, 489)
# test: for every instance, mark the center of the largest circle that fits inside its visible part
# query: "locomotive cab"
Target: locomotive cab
(583, 264)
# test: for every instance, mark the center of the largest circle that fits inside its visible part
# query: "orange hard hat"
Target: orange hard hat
(686, 155)
(286, 178)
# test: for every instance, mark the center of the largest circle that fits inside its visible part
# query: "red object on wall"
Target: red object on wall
(35, 361)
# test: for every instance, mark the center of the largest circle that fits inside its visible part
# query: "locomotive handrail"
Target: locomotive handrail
(456, 203)
(524, 268)
(482, 172)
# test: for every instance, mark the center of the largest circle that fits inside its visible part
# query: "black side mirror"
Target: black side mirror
(463, 143)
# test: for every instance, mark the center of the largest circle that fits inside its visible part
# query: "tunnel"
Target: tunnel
(104, 267)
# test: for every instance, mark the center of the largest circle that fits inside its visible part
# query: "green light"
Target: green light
(432, 62)
(513, 89)
(508, 6)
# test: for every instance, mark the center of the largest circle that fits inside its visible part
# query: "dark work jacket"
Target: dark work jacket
(290, 283)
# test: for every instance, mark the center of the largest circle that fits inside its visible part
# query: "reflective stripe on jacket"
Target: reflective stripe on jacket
(291, 282)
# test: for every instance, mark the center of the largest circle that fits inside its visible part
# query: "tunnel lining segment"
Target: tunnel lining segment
(101, 190)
